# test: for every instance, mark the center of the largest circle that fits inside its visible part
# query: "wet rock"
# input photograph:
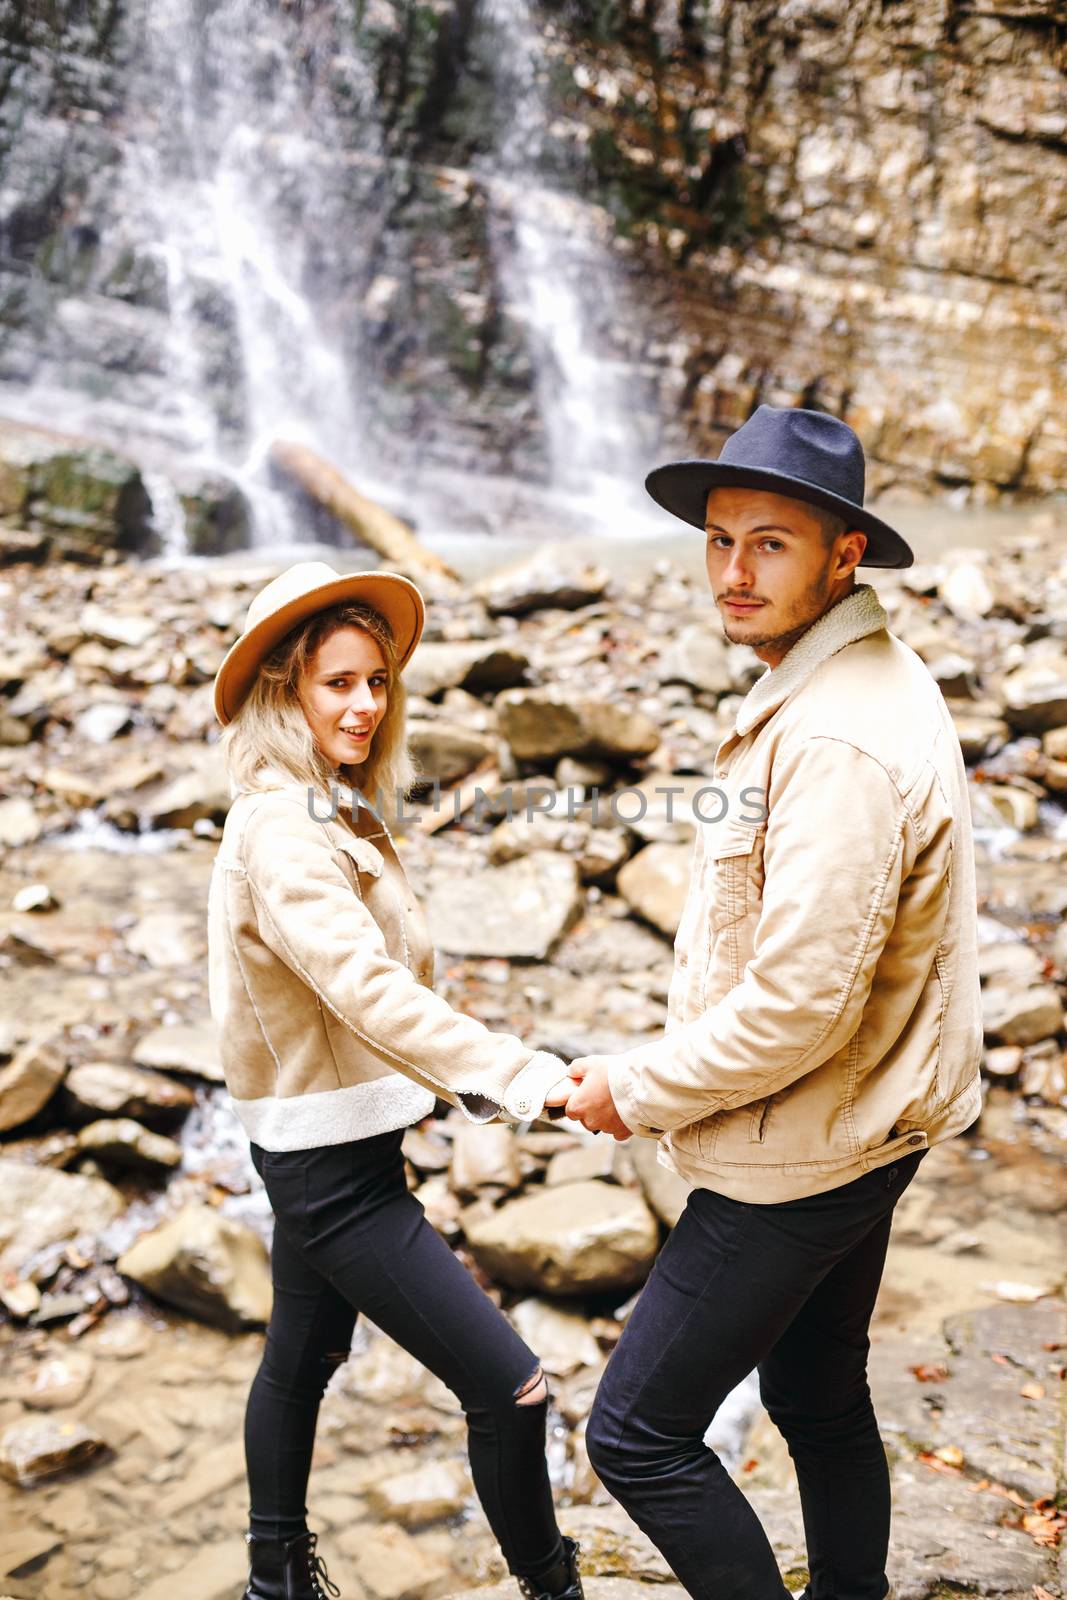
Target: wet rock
(552, 576)
(95, 1089)
(40, 1207)
(480, 665)
(20, 822)
(447, 751)
(1021, 1016)
(29, 1081)
(665, 1191)
(121, 1142)
(191, 1047)
(1035, 696)
(39, 1447)
(85, 496)
(484, 1156)
(205, 1264)
(516, 912)
(655, 883)
(572, 1239)
(699, 656)
(429, 1493)
(58, 1381)
(544, 724)
(560, 1339)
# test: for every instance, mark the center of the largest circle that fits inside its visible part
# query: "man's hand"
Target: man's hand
(586, 1097)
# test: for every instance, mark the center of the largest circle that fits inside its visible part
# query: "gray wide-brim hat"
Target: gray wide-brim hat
(807, 455)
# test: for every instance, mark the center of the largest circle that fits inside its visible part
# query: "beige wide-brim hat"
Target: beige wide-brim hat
(296, 594)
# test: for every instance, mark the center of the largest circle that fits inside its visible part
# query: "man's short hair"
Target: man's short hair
(830, 524)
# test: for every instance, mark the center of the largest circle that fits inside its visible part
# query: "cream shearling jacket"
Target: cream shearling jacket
(320, 965)
(824, 1014)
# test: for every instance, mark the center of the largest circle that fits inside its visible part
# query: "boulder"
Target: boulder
(480, 665)
(698, 655)
(1014, 1015)
(516, 912)
(207, 1265)
(561, 1340)
(1035, 695)
(484, 1155)
(544, 724)
(554, 576)
(122, 1142)
(392, 1566)
(82, 494)
(429, 1493)
(29, 1081)
(41, 1207)
(95, 1089)
(38, 1447)
(202, 791)
(191, 1047)
(655, 883)
(168, 938)
(575, 1238)
(447, 751)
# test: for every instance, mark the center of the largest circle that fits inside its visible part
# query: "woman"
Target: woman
(333, 1043)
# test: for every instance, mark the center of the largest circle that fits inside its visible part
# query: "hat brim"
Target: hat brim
(682, 487)
(398, 600)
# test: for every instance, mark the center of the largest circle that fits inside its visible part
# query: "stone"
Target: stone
(1044, 1076)
(207, 1265)
(191, 1047)
(602, 855)
(663, 809)
(85, 496)
(698, 655)
(522, 834)
(480, 665)
(95, 1089)
(553, 576)
(595, 1588)
(655, 882)
(665, 1191)
(20, 822)
(203, 791)
(980, 736)
(1035, 695)
(517, 912)
(1002, 1061)
(29, 1081)
(429, 1493)
(391, 1565)
(34, 897)
(41, 1207)
(19, 1297)
(447, 751)
(1021, 1016)
(214, 1573)
(576, 1238)
(122, 1142)
(60, 1380)
(614, 1547)
(484, 1155)
(560, 1339)
(1054, 744)
(1008, 961)
(595, 1158)
(39, 1447)
(544, 724)
(168, 939)
(994, 804)
(101, 722)
(966, 591)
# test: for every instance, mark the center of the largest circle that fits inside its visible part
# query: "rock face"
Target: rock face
(206, 1265)
(571, 1239)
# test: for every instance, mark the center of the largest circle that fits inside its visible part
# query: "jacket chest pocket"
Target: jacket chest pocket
(361, 860)
(735, 875)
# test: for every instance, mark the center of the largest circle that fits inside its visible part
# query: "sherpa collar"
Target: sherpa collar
(852, 618)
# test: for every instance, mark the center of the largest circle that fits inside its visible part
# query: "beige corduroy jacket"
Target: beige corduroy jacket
(824, 1016)
(320, 965)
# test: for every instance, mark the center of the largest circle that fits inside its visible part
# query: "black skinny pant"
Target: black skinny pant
(788, 1288)
(349, 1237)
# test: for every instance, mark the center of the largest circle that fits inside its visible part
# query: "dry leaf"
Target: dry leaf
(1043, 1530)
(935, 1464)
(988, 1487)
(932, 1372)
(1042, 1594)
(950, 1454)
(1033, 1391)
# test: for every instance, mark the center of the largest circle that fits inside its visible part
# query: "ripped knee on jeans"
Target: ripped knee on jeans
(534, 1392)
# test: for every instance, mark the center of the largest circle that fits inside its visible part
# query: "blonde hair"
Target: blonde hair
(269, 727)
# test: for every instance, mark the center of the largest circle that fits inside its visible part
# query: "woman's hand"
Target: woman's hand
(586, 1097)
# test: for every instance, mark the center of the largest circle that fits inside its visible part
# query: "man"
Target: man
(824, 1027)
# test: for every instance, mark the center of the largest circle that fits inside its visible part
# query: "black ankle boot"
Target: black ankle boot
(287, 1569)
(562, 1582)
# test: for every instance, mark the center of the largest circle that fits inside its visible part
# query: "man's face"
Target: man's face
(770, 568)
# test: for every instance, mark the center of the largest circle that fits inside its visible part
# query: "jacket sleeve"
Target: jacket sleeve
(310, 918)
(840, 842)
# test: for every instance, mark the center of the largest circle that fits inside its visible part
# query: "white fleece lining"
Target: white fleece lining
(853, 618)
(334, 1116)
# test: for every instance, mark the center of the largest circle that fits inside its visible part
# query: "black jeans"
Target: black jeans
(349, 1237)
(789, 1289)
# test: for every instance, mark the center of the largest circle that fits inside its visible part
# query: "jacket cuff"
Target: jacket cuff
(620, 1082)
(524, 1097)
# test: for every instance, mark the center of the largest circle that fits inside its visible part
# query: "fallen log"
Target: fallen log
(370, 522)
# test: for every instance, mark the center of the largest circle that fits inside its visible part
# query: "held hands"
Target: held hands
(585, 1097)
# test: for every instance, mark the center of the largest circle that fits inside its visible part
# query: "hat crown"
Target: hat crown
(811, 445)
(288, 586)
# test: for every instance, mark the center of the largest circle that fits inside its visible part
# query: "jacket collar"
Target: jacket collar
(852, 618)
(348, 799)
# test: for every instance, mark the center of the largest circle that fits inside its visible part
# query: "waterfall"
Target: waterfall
(555, 265)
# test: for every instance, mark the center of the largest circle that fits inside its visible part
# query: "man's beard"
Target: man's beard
(802, 614)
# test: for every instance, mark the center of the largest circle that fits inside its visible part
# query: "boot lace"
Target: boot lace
(317, 1570)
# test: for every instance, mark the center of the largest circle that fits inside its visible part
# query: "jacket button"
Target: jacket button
(656, 1131)
(522, 1106)
(916, 1138)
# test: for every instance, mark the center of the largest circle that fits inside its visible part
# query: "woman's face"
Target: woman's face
(343, 695)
